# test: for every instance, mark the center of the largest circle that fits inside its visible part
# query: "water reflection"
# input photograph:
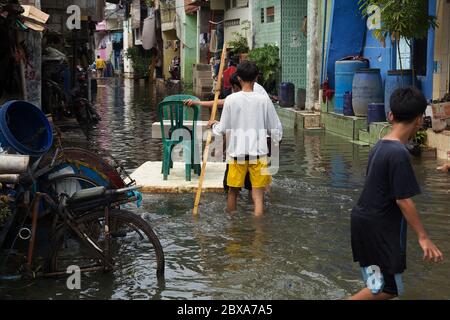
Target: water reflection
(300, 249)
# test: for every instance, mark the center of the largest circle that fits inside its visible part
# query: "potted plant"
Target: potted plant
(405, 19)
(419, 148)
(239, 45)
(267, 59)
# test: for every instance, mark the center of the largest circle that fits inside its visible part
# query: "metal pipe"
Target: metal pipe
(13, 164)
(9, 178)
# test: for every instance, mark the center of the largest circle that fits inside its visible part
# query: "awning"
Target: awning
(34, 18)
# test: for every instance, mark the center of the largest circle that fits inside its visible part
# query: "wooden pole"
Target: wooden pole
(209, 138)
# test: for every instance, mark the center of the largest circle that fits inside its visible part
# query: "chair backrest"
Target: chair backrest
(173, 109)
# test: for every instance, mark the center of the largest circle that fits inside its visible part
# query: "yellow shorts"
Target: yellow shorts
(257, 169)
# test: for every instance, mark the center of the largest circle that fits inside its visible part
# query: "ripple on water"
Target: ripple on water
(300, 249)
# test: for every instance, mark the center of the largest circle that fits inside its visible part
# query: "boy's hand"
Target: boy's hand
(190, 103)
(211, 123)
(444, 168)
(430, 251)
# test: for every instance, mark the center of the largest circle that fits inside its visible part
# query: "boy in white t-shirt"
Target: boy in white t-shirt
(247, 118)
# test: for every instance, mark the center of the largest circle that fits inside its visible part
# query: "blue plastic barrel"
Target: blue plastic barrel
(375, 113)
(344, 72)
(367, 88)
(395, 79)
(25, 129)
(287, 95)
(348, 106)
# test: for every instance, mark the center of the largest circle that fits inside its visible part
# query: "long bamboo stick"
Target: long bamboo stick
(209, 138)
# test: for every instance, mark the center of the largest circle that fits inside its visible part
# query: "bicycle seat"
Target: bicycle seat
(86, 195)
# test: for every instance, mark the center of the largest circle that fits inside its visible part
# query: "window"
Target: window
(262, 15)
(232, 23)
(230, 4)
(270, 13)
(405, 55)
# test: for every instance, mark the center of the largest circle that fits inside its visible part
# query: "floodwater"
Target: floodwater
(300, 248)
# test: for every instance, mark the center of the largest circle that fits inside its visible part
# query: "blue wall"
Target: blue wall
(427, 82)
(346, 33)
(379, 57)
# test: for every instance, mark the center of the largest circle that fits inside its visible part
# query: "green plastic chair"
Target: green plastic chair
(173, 109)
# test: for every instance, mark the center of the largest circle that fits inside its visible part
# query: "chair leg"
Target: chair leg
(188, 172)
(163, 161)
(166, 165)
(198, 169)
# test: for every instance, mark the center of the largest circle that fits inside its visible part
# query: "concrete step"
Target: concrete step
(150, 178)
(202, 67)
(202, 75)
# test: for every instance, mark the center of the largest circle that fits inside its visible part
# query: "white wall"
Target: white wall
(242, 14)
(441, 78)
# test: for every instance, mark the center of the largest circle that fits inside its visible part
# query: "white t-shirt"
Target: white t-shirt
(260, 89)
(247, 119)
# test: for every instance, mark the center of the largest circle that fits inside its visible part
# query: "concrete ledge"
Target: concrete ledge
(364, 136)
(440, 141)
(150, 178)
(287, 117)
(296, 119)
(378, 130)
(343, 125)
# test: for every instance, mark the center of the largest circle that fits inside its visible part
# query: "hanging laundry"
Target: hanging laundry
(149, 33)
(213, 43)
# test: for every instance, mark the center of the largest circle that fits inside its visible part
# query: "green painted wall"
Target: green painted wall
(293, 42)
(267, 32)
(190, 49)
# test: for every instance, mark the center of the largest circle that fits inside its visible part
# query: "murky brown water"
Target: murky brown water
(300, 249)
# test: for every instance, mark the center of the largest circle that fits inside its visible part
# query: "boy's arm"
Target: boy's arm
(274, 126)
(206, 104)
(220, 128)
(430, 251)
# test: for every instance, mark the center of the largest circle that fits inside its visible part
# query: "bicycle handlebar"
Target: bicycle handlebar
(124, 190)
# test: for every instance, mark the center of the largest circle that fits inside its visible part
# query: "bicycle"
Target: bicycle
(47, 183)
(90, 230)
(103, 233)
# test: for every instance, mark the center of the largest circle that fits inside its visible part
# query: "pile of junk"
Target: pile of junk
(35, 166)
(62, 69)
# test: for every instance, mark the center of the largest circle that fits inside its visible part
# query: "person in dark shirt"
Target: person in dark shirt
(378, 220)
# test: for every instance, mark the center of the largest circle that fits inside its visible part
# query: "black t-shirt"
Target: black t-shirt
(378, 228)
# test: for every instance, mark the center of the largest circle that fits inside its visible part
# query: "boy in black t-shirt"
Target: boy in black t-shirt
(378, 221)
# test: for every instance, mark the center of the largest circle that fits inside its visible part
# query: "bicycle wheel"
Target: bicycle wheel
(133, 245)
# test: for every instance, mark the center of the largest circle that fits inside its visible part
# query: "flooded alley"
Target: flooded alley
(299, 249)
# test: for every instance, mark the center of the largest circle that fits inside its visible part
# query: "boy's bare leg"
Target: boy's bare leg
(232, 199)
(258, 200)
(366, 294)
